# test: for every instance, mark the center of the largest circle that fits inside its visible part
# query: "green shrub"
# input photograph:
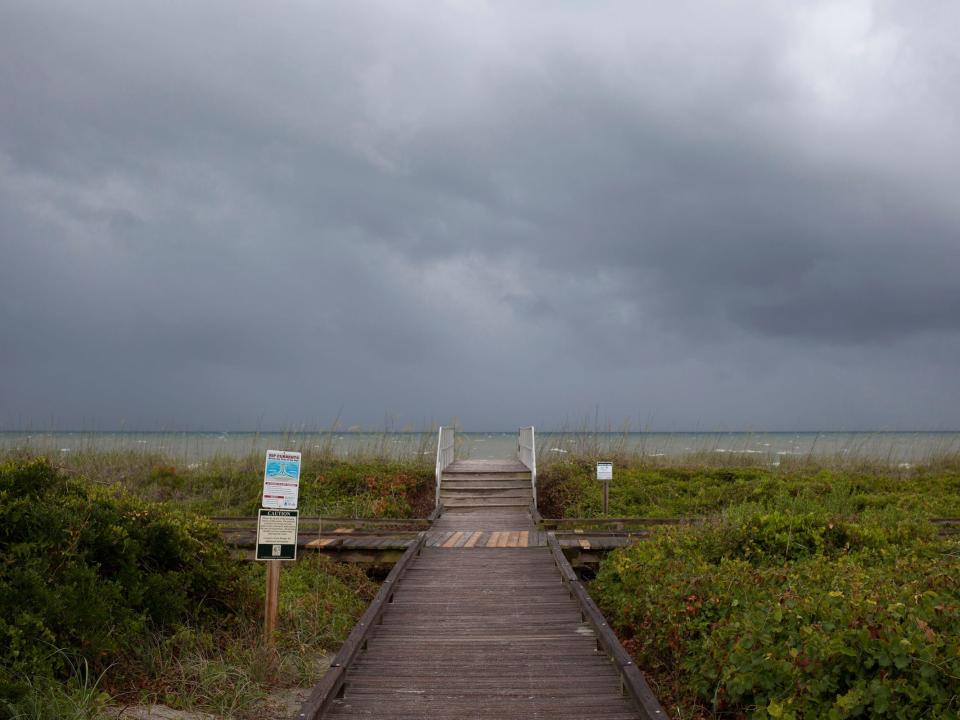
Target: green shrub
(793, 616)
(85, 572)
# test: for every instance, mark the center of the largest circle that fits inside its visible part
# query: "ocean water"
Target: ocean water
(194, 447)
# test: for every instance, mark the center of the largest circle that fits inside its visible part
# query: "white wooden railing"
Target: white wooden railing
(527, 452)
(444, 455)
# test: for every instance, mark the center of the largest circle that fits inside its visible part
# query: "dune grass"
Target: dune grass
(704, 486)
(365, 485)
(228, 672)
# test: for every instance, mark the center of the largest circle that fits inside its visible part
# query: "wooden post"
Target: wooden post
(605, 475)
(272, 603)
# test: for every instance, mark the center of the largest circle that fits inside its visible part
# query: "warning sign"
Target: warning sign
(277, 534)
(281, 479)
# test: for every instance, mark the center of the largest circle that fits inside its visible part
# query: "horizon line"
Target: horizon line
(357, 431)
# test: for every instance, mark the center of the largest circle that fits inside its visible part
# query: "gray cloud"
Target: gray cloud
(739, 217)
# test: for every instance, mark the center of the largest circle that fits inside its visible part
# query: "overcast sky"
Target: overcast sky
(225, 215)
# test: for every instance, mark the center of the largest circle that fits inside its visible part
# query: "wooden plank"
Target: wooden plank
(494, 540)
(452, 540)
(486, 519)
(485, 503)
(438, 539)
(473, 539)
(525, 538)
(322, 542)
(483, 465)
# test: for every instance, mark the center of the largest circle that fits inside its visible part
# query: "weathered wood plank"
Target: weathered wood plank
(452, 540)
(322, 542)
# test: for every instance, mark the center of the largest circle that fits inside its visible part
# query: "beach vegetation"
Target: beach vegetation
(774, 614)
(690, 489)
(109, 597)
(801, 591)
(370, 486)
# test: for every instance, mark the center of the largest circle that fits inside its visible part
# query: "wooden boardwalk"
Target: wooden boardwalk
(481, 619)
(482, 633)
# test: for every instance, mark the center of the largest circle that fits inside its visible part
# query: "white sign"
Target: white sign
(604, 471)
(281, 480)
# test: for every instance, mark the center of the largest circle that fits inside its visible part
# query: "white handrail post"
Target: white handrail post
(527, 453)
(533, 462)
(437, 471)
(445, 453)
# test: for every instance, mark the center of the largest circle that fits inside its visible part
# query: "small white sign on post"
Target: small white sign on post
(604, 471)
(281, 480)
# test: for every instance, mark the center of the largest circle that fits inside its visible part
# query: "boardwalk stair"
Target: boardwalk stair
(477, 485)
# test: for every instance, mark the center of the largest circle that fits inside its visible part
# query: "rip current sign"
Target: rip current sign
(277, 534)
(281, 480)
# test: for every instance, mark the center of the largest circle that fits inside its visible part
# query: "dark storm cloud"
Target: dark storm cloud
(737, 217)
